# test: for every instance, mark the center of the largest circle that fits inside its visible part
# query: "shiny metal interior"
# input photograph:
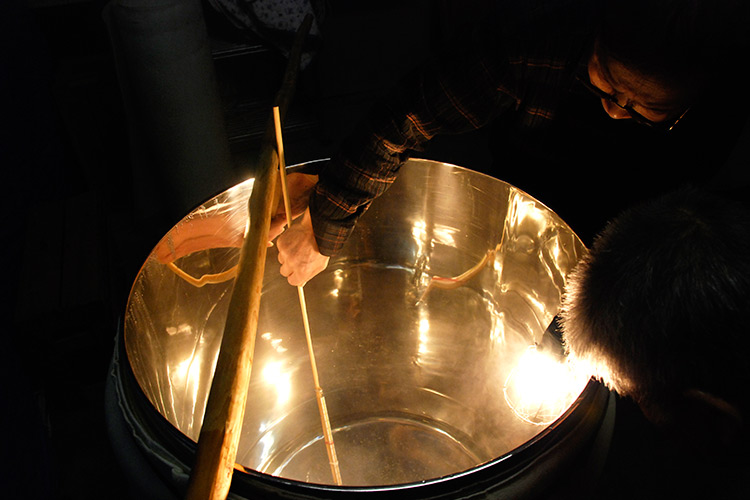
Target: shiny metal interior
(414, 388)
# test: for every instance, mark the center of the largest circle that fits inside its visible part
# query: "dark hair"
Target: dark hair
(679, 42)
(663, 299)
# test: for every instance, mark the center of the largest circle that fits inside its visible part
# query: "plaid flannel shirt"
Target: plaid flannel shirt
(523, 63)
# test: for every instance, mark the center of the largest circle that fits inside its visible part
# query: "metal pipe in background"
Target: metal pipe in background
(178, 142)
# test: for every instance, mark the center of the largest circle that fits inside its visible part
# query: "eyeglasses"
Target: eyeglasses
(635, 115)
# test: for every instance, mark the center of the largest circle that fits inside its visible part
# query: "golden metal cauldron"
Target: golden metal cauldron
(415, 388)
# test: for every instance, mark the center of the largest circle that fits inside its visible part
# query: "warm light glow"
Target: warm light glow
(439, 233)
(424, 328)
(266, 443)
(181, 329)
(521, 209)
(540, 388)
(444, 235)
(555, 250)
(275, 375)
(419, 231)
(276, 343)
(180, 373)
(338, 282)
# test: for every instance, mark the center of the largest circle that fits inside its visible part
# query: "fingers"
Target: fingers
(284, 268)
(292, 277)
(299, 257)
(298, 272)
(299, 278)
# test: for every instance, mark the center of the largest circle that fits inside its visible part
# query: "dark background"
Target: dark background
(74, 234)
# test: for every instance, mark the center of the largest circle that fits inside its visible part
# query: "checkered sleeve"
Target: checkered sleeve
(451, 98)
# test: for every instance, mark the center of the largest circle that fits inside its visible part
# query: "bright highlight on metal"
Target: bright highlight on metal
(541, 387)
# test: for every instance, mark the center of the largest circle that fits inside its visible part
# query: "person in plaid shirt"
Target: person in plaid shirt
(527, 66)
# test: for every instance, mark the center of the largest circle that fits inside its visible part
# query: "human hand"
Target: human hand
(299, 255)
(223, 225)
(299, 186)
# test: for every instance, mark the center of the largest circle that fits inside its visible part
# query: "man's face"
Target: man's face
(630, 90)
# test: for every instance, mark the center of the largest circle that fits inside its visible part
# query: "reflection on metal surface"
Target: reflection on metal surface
(414, 389)
(541, 386)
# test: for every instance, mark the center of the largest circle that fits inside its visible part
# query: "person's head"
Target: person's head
(660, 309)
(653, 59)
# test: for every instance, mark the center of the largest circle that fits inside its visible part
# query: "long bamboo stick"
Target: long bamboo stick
(322, 409)
(211, 476)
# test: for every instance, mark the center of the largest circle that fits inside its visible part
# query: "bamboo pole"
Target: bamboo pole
(322, 409)
(211, 476)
